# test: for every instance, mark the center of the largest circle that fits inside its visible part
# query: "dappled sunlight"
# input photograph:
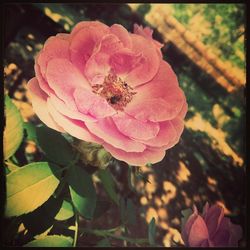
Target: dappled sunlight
(151, 212)
(170, 192)
(197, 123)
(57, 17)
(172, 235)
(183, 172)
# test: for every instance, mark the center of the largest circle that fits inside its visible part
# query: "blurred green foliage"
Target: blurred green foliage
(225, 29)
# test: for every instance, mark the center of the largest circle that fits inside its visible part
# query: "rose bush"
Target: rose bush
(211, 229)
(105, 85)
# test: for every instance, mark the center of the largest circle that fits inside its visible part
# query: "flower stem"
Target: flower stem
(76, 229)
(109, 233)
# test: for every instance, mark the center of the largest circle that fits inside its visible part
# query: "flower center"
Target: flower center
(117, 92)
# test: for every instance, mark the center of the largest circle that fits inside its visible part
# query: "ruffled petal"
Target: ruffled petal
(83, 41)
(90, 103)
(134, 128)
(122, 34)
(42, 82)
(107, 130)
(98, 26)
(39, 102)
(149, 63)
(166, 135)
(98, 66)
(147, 33)
(61, 107)
(63, 77)
(55, 47)
(160, 99)
(149, 155)
(123, 61)
(75, 128)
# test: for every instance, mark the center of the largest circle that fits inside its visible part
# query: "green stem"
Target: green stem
(109, 233)
(76, 229)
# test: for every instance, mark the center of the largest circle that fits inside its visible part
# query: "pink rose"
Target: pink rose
(211, 229)
(105, 85)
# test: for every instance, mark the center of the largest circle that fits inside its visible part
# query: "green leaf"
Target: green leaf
(30, 131)
(109, 184)
(10, 167)
(51, 241)
(42, 218)
(82, 191)
(54, 145)
(65, 212)
(30, 186)
(151, 232)
(103, 243)
(13, 132)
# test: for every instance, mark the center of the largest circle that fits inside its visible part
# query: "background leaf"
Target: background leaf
(82, 191)
(151, 232)
(13, 132)
(30, 186)
(51, 241)
(41, 219)
(54, 145)
(65, 212)
(30, 130)
(109, 184)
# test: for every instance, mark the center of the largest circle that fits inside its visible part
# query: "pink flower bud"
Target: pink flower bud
(211, 229)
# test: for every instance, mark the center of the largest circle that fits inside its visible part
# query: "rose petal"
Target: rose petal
(95, 25)
(123, 61)
(63, 77)
(98, 64)
(148, 66)
(149, 155)
(188, 225)
(75, 128)
(42, 82)
(39, 99)
(166, 135)
(147, 33)
(235, 234)
(160, 99)
(222, 236)
(84, 39)
(213, 218)
(107, 130)
(136, 129)
(96, 106)
(198, 232)
(183, 111)
(61, 107)
(55, 47)
(122, 34)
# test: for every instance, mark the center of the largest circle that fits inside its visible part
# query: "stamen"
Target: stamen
(117, 92)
